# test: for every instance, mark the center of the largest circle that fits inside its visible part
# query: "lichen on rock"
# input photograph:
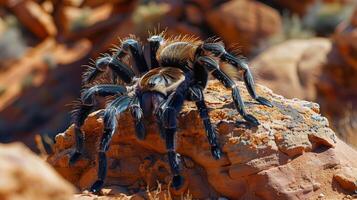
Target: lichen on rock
(293, 154)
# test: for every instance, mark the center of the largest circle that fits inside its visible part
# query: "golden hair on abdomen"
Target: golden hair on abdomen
(178, 50)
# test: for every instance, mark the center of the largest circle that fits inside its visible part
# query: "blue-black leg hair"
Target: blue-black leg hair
(196, 94)
(134, 48)
(85, 106)
(219, 51)
(138, 116)
(169, 111)
(212, 66)
(117, 106)
(118, 68)
(154, 43)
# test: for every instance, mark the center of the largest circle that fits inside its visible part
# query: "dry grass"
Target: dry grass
(160, 194)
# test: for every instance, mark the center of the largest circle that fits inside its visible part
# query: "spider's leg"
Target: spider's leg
(154, 44)
(116, 107)
(168, 116)
(213, 67)
(200, 75)
(87, 103)
(196, 95)
(135, 49)
(138, 116)
(219, 51)
(119, 69)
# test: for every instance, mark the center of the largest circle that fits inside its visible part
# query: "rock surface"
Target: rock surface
(293, 68)
(25, 176)
(292, 155)
(245, 23)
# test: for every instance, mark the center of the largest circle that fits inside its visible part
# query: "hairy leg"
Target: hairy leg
(86, 105)
(169, 111)
(138, 115)
(212, 66)
(116, 107)
(219, 51)
(154, 43)
(196, 94)
(118, 68)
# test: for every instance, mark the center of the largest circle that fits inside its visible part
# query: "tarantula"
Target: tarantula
(178, 70)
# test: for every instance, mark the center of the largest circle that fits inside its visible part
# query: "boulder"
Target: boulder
(26, 176)
(292, 68)
(293, 154)
(244, 22)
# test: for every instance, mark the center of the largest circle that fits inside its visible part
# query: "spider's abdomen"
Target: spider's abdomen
(163, 80)
(176, 54)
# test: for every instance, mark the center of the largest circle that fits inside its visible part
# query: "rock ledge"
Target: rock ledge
(292, 155)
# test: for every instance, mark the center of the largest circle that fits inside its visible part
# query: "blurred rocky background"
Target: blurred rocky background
(300, 49)
(305, 49)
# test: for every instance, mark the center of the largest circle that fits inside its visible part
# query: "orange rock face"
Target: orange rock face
(26, 176)
(293, 154)
(244, 22)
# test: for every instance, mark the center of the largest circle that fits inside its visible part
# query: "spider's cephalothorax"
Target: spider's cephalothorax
(177, 71)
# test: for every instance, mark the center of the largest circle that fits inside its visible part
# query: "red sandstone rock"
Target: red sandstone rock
(292, 155)
(347, 178)
(244, 22)
(26, 176)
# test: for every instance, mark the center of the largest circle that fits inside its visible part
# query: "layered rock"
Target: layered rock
(293, 154)
(26, 176)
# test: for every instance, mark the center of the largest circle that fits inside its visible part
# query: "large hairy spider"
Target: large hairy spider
(178, 71)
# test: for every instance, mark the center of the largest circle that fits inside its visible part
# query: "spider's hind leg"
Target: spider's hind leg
(219, 51)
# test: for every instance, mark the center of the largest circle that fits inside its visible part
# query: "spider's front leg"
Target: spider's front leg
(118, 68)
(169, 111)
(87, 103)
(119, 105)
(154, 43)
(212, 66)
(219, 51)
(196, 94)
(138, 116)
